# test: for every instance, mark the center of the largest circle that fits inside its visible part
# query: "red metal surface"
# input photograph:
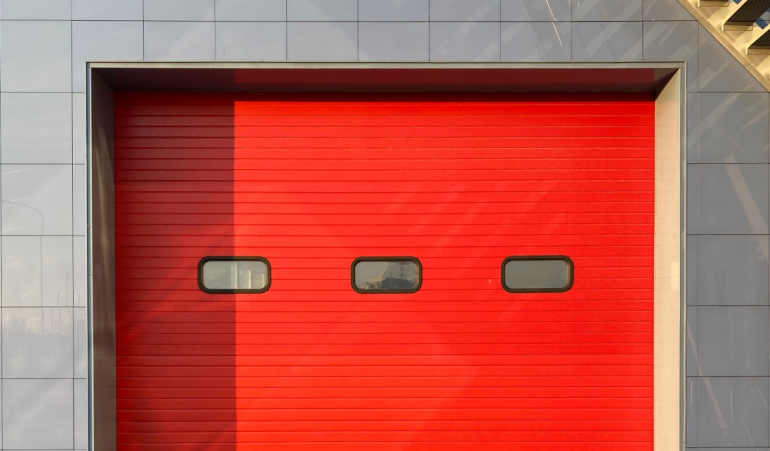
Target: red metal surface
(312, 182)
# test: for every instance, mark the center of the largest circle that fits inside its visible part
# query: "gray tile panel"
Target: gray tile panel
(322, 41)
(692, 127)
(732, 412)
(606, 10)
(78, 199)
(719, 71)
(36, 9)
(691, 341)
(393, 10)
(184, 10)
(36, 128)
(732, 270)
(665, 10)
(691, 407)
(322, 10)
(465, 41)
(692, 198)
(79, 271)
(104, 41)
(536, 41)
(37, 271)
(80, 339)
(81, 414)
(36, 200)
(733, 341)
(49, 402)
(251, 41)
(536, 10)
(732, 198)
(251, 10)
(393, 41)
(35, 56)
(78, 128)
(107, 9)
(733, 127)
(673, 41)
(692, 269)
(606, 41)
(37, 343)
(464, 10)
(179, 41)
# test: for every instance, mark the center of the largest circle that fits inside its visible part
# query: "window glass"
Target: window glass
(234, 275)
(387, 275)
(537, 274)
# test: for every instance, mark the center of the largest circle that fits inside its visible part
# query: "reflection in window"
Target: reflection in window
(234, 274)
(538, 274)
(386, 275)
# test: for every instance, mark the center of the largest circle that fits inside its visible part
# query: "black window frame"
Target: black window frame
(564, 289)
(204, 260)
(358, 260)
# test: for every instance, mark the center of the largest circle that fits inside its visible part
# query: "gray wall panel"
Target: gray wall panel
(465, 10)
(731, 412)
(732, 198)
(322, 10)
(607, 41)
(251, 41)
(536, 41)
(179, 41)
(251, 10)
(322, 41)
(465, 41)
(184, 10)
(35, 56)
(393, 41)
(47, 421)
(536, 10)
(36, 9)
(606, 10)
(393, 10)
(37, 128)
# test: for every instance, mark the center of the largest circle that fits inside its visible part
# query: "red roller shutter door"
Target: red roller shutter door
(313, 181)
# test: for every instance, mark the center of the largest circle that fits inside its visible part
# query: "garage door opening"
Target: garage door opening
(312, 182)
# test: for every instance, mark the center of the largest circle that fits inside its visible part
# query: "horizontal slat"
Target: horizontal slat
(126, 198)
(304, 156)
(400, 415)
(395, 436)
(372, 165)
(410, 349)
(224, 442)
(490, 122)
(391, 328)
(288, 426)
(252, 338)
(367, 132)
(229, 391)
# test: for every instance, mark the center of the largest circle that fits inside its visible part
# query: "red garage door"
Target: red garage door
(311, 182)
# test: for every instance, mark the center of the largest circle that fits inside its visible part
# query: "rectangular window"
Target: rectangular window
(386, 275)
(234, 274)
(537, 274)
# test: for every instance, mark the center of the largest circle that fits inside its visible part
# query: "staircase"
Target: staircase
(739, 26)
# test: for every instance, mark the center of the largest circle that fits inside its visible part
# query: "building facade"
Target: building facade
(44, 48)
